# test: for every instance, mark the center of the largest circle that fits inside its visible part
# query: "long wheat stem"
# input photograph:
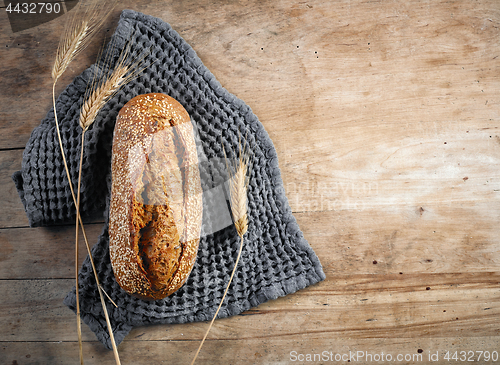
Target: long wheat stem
(75, 38)
(80, 222)
(238, 186)
(78, 317)
(220, 304)
(77, 205)
(78, 218)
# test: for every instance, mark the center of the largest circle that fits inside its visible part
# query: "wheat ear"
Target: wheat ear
(82, 25)
(238, 171)
(79, 29)
(104, 86)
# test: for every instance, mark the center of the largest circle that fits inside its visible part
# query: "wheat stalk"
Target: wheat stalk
(238, 170)
(79, 29)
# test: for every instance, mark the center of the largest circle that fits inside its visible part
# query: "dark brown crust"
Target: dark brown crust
(156, 205)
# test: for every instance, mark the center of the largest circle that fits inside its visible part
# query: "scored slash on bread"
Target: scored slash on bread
(156, 197)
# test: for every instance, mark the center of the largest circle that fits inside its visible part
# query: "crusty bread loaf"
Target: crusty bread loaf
(156, 201)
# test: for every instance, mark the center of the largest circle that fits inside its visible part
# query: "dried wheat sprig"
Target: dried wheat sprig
(105, 85)
(100, 96)
(238, 185)
(79, 29)
(238, 170)
(83, 24)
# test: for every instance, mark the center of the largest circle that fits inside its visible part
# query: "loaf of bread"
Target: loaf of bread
(156, 200)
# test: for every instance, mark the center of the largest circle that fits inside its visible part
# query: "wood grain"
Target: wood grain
(255, 351)
(385, 117)
(374, 241)
(361, 306)
(45, 253)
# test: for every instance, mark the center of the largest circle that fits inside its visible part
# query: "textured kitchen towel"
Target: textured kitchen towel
(276, 259)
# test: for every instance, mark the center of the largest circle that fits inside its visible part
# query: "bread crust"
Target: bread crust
(156, 201)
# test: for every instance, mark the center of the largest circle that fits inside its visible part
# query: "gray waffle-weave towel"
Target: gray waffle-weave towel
(276, 259)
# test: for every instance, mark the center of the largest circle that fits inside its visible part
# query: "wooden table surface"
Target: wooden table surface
(385, 116)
